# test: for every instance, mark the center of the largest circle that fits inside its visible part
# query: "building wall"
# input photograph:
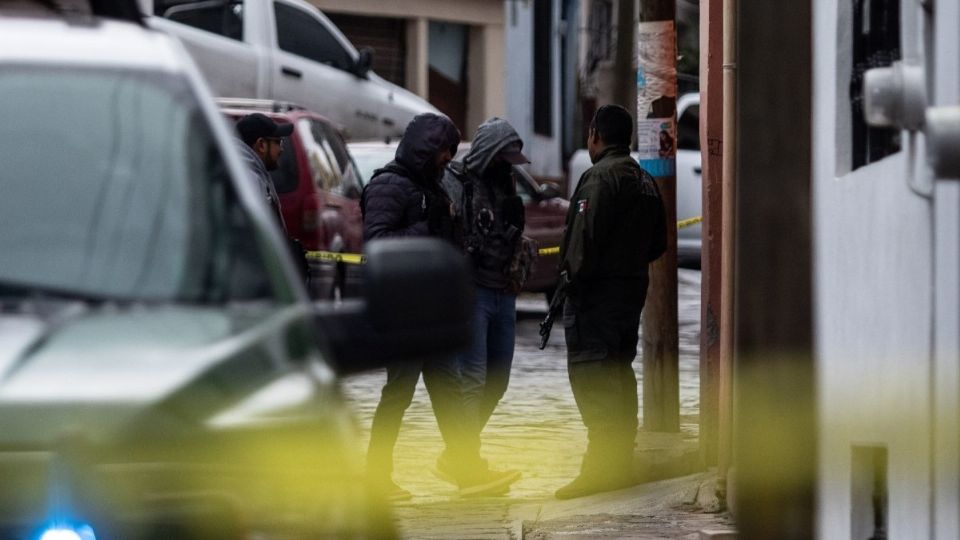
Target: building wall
(946, 385)
(486, 80)
(545, 152)
(461, 11)
(882, 255)
(518, 28)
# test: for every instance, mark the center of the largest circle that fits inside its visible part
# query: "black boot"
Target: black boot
(600, 472)
(588, 484)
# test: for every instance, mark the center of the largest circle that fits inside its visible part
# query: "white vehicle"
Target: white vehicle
(689, 184)
(287, 50)
(163, 373)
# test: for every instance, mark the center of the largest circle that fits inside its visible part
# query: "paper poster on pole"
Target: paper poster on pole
(656, 90)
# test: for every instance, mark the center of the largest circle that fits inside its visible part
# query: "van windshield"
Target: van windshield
(113, 187)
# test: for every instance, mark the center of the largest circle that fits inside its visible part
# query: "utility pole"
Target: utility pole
(775, 424)
(624, 61)
(711, 151)
(656, 112)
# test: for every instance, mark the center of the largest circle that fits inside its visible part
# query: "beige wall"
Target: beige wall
(485, 79)
(459, 11)
(417, 56)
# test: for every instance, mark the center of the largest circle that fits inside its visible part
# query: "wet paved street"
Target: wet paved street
(536, 428)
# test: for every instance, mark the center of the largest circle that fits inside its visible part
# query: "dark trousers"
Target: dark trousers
(441, 378)
(601, 329)
(606, 394)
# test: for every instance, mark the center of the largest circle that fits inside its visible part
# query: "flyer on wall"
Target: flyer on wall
(656, 90)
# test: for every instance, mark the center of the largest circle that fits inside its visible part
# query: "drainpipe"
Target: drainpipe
(727, 261)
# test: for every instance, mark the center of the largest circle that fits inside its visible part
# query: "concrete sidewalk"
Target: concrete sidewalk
(677, 500)
(675, 508)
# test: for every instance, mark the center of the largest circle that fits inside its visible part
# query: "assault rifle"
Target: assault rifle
(556, 308)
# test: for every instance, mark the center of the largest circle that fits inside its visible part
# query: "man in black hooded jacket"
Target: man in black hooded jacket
(405, 198)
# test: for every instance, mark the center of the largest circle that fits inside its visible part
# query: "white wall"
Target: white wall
(518, 26)
(545, 152)
(874, 261)
(947, 332)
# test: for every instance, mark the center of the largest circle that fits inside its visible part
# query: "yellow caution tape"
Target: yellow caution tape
(356, 258)
(330, 256)
(689, 222)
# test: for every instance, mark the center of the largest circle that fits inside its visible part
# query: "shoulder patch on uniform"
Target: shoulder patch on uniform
(583, 205)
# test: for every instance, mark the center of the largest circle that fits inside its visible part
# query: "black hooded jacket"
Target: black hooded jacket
(405, 197)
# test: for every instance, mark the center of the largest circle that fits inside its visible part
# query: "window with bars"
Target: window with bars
(543, 67)
(876, 43)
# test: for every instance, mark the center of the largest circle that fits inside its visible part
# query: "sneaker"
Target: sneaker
(487, 482)
(445, 470)
(584, 485)
(442, 474)
(392, 492)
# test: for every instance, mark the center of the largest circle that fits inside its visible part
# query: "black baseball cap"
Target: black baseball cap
(254, 126)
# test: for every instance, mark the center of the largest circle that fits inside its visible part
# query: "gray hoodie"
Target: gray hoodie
(489, 213)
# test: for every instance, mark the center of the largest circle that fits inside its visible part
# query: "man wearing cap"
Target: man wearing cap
(262, 145)
(491, 219)
(615, 227)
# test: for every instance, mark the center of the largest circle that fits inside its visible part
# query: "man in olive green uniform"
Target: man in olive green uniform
(615, 227)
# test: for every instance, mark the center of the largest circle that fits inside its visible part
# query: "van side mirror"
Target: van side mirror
(417, 304)
(364, 61)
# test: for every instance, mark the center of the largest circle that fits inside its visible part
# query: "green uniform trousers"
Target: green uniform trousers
(601, 326)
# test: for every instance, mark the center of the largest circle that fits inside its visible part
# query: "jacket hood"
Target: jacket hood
(426, 134)
(489, 139)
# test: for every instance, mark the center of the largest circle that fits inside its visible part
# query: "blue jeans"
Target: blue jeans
(485, 366)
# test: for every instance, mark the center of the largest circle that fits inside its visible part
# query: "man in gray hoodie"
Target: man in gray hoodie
(490, 219)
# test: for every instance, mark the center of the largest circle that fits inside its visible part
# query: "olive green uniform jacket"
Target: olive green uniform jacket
(615, 226)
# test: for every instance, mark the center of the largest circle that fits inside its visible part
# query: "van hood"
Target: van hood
(97, 372)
